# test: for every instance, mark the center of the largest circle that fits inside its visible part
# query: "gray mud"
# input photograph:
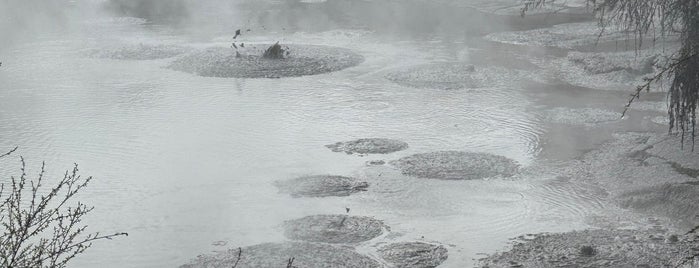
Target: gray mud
(679, 201)
(334, 229)
(456, 165)
(321, 186)
(454, 75)
(306, 255)
(596, 248)
(414, 254)
(368, 146)
(140, 52)
(302, 60)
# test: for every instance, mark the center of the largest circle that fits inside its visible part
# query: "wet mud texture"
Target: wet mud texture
(414, 254)
(302, 60)
(597, 248)
(368, 146)
(321, 186)
(456, 165)
(333, 229)
(306, 255)
(140, 52)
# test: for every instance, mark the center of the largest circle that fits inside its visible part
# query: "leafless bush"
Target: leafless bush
(38, 226)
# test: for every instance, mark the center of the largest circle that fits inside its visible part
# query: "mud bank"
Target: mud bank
(307, 255)
(455, 165)
(368, 146)
(598, 248)
(340, 229)
(302, 60)
(321, 186)
(414, 254)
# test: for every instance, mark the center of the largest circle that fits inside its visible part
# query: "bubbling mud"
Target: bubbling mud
(302, 60)
(337, 229)
(368, 146)
(414, 254)
(307, 255)
(455, 165)
(322, 186)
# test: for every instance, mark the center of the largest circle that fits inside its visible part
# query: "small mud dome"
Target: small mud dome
(306, 255)
(368, 146)
(414, 254)
(334, 229)
(455, 165)
(302, 60)
(454, 75)
(322, 186)
(596, 248)
(140, 52)
(581, 116)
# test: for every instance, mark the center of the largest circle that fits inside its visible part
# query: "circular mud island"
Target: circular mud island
(414, 254)
(301, 60)
(456, 165)
(453, 76)
(596, 248)
(581, 116)
(306, 255)
(321, 186)
(368, 146)
(334, 229)
(140, 52)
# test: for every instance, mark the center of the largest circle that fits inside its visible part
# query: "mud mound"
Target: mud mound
(307, 255)
(454, 75)
(368, 146)
(322, 186)
(632, 62)
(595, 248)
(581, 116)
(414, 254)
(455, 165)
(140, 52)
(333, 229)
(302, 60)
(569, 35)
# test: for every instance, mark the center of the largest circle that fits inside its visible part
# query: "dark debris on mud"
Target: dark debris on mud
(322, 186)
(341, 229)
(306, 255)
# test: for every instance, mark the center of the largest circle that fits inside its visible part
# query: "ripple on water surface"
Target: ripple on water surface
(302, 60)
(455, 75)
(140, 52)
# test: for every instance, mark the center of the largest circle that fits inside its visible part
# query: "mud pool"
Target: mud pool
(197, 152)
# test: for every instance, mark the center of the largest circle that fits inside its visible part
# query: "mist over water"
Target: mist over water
(187, 163)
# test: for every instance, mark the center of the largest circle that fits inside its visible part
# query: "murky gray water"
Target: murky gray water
(183, 161)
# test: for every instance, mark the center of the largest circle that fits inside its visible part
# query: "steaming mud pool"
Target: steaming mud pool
(419, 141)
